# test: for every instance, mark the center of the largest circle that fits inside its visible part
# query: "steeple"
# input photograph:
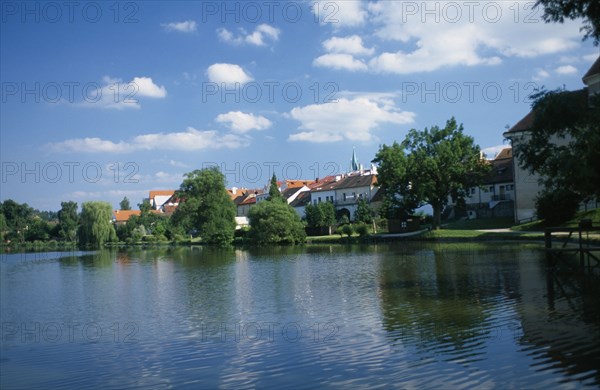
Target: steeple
(354, 166)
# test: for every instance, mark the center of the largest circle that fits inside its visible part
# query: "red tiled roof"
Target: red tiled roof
(124, 215)
(156, 193)
(298, 183)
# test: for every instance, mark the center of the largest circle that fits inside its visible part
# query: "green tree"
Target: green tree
(429, 167)
(320, 215)
(588, 10)
(67, 221)
(3, 227)
(275, 222)
(17, 218)
(208, 206)
(96, 226)
(124, 204)
(363, 212)
(145, 206)
(274, 189)
(563, 144)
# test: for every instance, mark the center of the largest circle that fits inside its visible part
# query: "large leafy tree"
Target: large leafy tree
(320, 215)
(96, 227)
(206, 206)
(67, 221)
(429, 167)
(588, 10)
(275, 222)
(563, 144)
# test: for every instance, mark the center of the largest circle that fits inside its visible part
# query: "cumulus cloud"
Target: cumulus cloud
(340, 61)
(350, 118)
(258, 37)
(462, 40)
(340, 14)
(422, 37)
(187, 26)
(540, 74)
(240, 122)
(228, 74)
(350, 45)
(186, 141)
(566, 70)
(119, 95)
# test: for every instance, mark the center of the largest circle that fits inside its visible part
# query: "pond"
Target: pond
(401, 315)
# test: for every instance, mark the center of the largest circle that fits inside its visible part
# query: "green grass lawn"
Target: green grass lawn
(476, 224)
(594, 215)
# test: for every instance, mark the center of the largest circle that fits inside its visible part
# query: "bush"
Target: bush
(556, 206)
(347, 230)
(362, 229)
(275, 221)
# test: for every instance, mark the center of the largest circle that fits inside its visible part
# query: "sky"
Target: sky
(101, 100)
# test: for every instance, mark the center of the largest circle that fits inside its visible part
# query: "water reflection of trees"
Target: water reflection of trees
(439, 297)
(560, 319)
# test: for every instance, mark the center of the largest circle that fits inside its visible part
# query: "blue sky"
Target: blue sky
(102, 100)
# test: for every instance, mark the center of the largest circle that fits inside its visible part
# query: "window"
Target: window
(473, 191)
(510, 187)
(319, 199)
(344, 196)
(491, 188)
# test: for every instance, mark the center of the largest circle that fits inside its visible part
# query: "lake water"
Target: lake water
(379, 316)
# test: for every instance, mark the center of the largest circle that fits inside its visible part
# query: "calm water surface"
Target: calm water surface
(379, 316)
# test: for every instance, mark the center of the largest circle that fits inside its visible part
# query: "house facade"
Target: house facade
(526, 184)
(495, 197)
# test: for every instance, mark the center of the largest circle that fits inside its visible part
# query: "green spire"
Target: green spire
(354, 163)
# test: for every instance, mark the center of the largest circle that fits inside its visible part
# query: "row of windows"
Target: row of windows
(345, 196)
(508, 187)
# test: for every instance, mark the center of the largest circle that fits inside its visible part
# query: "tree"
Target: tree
(96, 227)
(563, 143)
(588, 10)
(17, 218)
(429, 167)
(206, 206)
(124, 204)
(274, 193)
(320, 215)
(67, 221)
(363, 212)
(145, 206)
(275, 222)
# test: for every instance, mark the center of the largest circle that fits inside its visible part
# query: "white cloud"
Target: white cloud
(540, 74)
(349, 45)
(258, 37)
(147, 88)
(178, 164)
(351, 119)
(186, 141)
(187, 26)
(339, 14)
(566, 70)
(340, 61)
(228, 74)
(453, 35)
(119, 95)
(240, 122)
